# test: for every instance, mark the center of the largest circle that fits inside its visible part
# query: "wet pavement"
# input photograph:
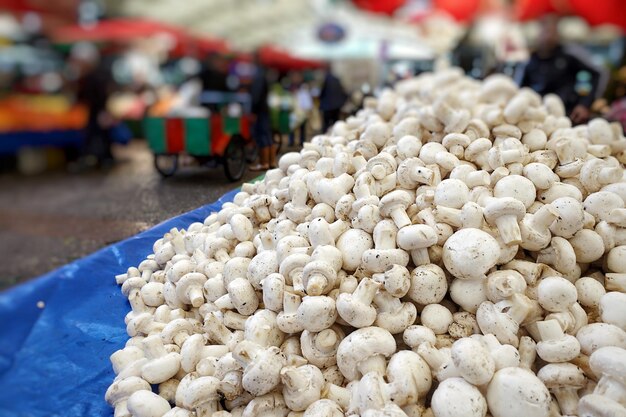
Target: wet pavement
(51, 219)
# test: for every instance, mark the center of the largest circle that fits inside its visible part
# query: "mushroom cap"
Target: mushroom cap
(320, 348)
(323, 408)
(452, 193)
(409, 375)
(455, 139)
(473, 361)
(562, 375)
(615, 259)
(561, 350)
(597, 335)
(416, 236)
(352, 243)
(491, 320)
(505, 206)
(360, 345)
(147, 404)
(236, 267)
(613, 308)
(556, 293)
(175, 327)
(317, 313)
(121, 389)
(600, 204)
(588, 246)
(161, 369)
(428, 284)
(609, 360)
(263, 264)
(503, 283)
(190, 352)
(518, 187)
(517, 392)
(571, 217)
(564, 258)
(201, 390)
(293, 261)
(298, 397)
(469, 253)
(262, 374)
(456, 397)
(393, 200)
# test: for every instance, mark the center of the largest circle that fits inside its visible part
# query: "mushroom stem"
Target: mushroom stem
(316, 284)
(224, 302)
(196, 296)
(180, 338)
(527, 352)
(399, 217)
(608, 175)
(422, 175)
(544, 217)
(549, 330)
(338, 394)
(216, 330)
(509, 230)
(374, 363)
(121, 410)
(326, 340)
(365, 291)
(420, 256)
(609, 386)
(291, 302)
(567, 399)
(449, 215)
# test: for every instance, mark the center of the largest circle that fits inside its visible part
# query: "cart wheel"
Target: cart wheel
(234, 159)
(252, 151)
(166, 165)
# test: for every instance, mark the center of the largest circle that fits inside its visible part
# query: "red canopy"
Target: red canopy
(282, 60)
(124, 30)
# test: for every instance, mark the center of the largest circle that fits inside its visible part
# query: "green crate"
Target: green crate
(198, 137)
(154, 129)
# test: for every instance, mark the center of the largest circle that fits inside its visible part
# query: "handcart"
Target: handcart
(218, 138)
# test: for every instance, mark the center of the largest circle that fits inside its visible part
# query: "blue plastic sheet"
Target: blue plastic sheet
(54, 361)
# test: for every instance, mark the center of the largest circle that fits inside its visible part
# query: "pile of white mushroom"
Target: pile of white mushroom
(457, 248)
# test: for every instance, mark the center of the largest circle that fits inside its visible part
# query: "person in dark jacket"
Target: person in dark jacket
(261, 128)
(555, 68)
(332, 98)
(94, 88)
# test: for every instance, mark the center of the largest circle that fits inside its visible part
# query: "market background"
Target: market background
(56, 207)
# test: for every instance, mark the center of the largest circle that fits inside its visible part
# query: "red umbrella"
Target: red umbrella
(599, 12)
(282, 60)
(462, 11)
(387, 7)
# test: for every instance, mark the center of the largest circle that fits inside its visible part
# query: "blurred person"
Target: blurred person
(304, 107)
(332, 99)
(617, 111)
(261, 128)
(94, 88)
(555, 68)
(214, 73)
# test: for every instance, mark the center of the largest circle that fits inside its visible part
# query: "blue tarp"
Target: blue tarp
(54, 361)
